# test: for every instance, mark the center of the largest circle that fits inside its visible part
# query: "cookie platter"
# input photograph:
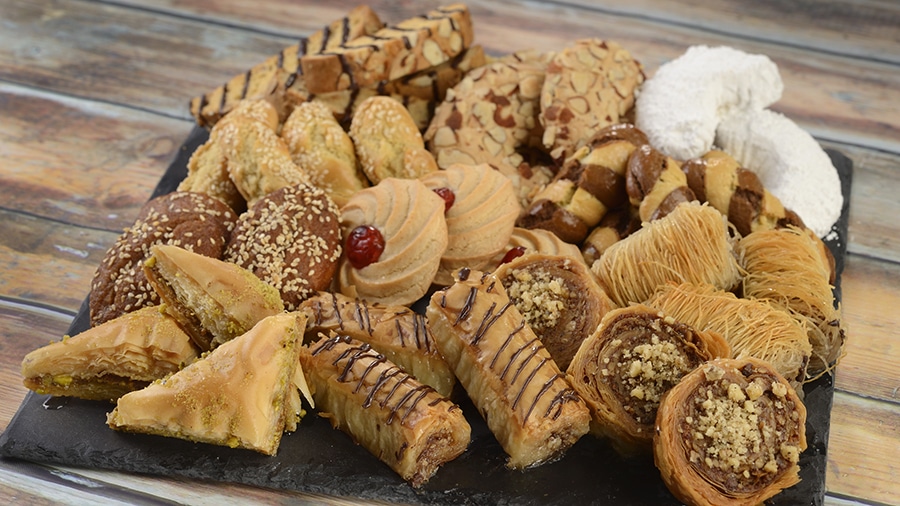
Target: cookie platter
(556, 181)
(318, 459)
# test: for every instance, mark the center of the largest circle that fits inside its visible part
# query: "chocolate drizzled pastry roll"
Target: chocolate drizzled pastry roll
(406, 424)
(398, 332)
(731, 432)
(736, 192)
(559, 298)
(519, 391)
(623, 369)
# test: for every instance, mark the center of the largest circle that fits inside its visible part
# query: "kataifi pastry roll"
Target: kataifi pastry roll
(559, 298)
(213, 300)
(401, 334)
(623, 369)
(107, 361)
(237, 395)
(511, 378)
(406, 424)
(731, 432)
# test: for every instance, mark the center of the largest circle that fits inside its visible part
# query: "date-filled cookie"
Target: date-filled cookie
(193, 221)
(291, 240)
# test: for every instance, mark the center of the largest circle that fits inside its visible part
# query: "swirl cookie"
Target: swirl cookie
(388, 142)
(291, 240)
(323, 149)
(589, 85)
(524, 241)
(395, 234)
(194, 221)
(481, 213)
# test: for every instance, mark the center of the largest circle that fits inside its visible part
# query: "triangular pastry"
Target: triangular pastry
(111, 359)
(234, 396)
(214, 300)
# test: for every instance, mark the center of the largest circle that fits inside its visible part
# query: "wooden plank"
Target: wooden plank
(871, 298)
(121, 154)
(862, 452)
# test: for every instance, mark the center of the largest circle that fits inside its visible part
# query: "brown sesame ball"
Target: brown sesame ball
(290, 239)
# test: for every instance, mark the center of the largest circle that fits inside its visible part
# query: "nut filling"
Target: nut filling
(740, 433)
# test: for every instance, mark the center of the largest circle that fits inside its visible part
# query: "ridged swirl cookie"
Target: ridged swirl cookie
(481, 218)
(410, 217)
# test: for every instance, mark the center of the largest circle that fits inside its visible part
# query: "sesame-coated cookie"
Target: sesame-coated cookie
(193, 221)
(291, 240)
(589, 85)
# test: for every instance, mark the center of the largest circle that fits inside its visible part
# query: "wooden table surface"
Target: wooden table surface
(93, 107)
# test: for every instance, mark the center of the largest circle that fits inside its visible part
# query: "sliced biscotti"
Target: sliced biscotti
(394, 51)
(282, 70)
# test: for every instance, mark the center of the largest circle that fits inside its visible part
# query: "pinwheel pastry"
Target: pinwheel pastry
(242, 394)
(398, 332)
(731, 432)
(623, 369)
(481, 211)
(786, 267)
(107, 361)
(408, 425)
(519, 391)
(753, 328)
(394, 235)
(213, 300)
(559, 298)
(691, 244)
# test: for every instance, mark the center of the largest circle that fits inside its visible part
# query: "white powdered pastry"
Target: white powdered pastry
(681, 105)
(789, 162)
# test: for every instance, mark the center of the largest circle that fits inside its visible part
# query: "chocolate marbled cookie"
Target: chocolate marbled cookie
(193, 221)
(589, 85)
(291, 240)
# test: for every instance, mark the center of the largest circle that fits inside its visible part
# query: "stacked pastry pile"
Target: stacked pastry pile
(577, 274)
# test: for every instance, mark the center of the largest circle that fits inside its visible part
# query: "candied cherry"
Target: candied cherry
(513, 254)
(448, 196)
(364, 246)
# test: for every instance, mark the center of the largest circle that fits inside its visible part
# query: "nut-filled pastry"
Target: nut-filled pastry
(408, 425)
(519, 391)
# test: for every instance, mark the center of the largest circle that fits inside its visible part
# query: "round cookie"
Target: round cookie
(291, 240)
(193, 221)
(589, 85)
(409, 218)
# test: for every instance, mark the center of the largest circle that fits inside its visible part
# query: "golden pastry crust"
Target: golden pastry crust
(324, 151)
(388, 142)
(524, 241)
(625, 367)
(291, 240)
(510, 377)
(559, 298)
(107, 361)
(655, 183)
(195, 221)
(392, 52)
(213, 300)
(481, 218)
(731, 432)
(234, 396)
(401, 334)
(589, 85)
(410, 218)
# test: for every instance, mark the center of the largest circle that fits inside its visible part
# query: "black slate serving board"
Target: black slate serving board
(319, 459)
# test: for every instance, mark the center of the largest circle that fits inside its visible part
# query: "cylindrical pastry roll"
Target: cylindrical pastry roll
(519, 391)
(753, 328)
(691, 244)
(403, 422)
(736, 192)
(614, 227)
(398, 332)
(786, 267)
(559, 298)
(731, 432)
(655, 183)
(623, 369)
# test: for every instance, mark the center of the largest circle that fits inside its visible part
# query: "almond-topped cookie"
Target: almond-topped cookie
(394, 236)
